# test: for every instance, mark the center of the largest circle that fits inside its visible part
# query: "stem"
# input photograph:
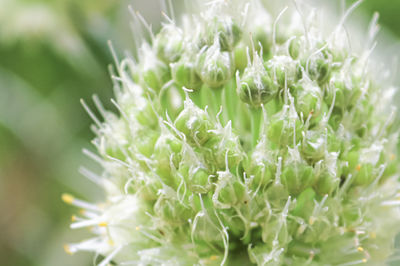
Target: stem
(229, 102)
(205, 97)
(163, 98)
(195, 96)
(256, 116)
(217, 101)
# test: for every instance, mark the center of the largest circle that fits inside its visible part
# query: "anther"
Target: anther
(103, 224)
(68, 250)
(67, 198)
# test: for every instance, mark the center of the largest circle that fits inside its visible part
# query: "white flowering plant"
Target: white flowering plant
(245, 138)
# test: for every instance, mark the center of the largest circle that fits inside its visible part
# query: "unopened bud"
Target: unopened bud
(214, 66)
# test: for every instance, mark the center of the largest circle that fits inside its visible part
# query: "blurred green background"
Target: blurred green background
(52, 53)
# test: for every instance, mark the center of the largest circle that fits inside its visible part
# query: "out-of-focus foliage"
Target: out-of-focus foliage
(389, 13)
(52, 53)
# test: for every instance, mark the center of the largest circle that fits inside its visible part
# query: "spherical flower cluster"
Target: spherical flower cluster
(245, 138)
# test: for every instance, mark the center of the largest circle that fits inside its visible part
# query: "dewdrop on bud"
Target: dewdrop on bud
(214, 66)
(255, 86)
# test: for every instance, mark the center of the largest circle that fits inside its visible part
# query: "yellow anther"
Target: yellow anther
(372, 235)
(103, 224)
(67, 198)
(358, 167)
(82, 211)
(111, 242)
(311, 221)
(364, 260)
(73, 218)
(67, 249)
(213, 257)
(360, 249)
(392, 157)
(137, 228)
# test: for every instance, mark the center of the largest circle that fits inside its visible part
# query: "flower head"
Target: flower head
(249, 138)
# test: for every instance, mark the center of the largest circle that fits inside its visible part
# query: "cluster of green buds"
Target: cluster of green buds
(244, 138)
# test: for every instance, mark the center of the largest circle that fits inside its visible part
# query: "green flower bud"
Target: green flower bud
(319, 69)
(155, 73)
(360, 123)
(147, 116)
(260, 167)
(228, 32)
(229, 191)
(296, 177)
(350, 89)
(304, 204)
(284, 70)
(314, 145)
(146, 142)
(255, 87)
(294, 47)
(169, 43)
(281, 133)
(197, 178)
(214, 66)
(336, 118)
(350, 160)
(194, 123)
(184, 74)
(171, 210)
(261, 174)
(326, 183)
(241, 60)
(167, 154)
(223, 147)
(309, 101)
(262, 38)
(364, 175)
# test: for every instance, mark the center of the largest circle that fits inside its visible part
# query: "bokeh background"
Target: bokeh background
(52, 54)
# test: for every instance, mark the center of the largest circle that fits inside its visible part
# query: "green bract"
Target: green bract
(245, 139)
